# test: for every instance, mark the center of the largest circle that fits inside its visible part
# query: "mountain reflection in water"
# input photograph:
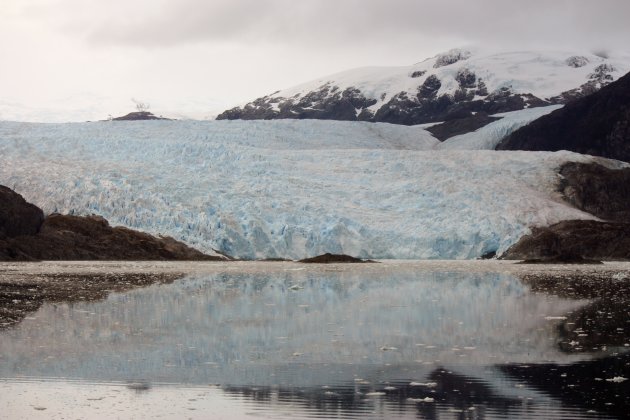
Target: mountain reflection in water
(342, 343)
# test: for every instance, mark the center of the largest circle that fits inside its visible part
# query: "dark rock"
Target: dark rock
(599, 78)
(562, 259)
(451, 57)
(482, 90)
(92, 238)
(602, 73)
(466, 78)
(463, 95)
(365, 115)
(333, 258)
(429, 87)
(403, 110)
(465, 124)
(59, 237)
(576, 61)
(328, 102)
(417, 73)
(138, 116)
(572, 240)
(598, 124)
(598, 190)
(428, 107)
(17, 216)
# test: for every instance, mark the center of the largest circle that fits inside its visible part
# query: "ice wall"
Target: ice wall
(256, 189)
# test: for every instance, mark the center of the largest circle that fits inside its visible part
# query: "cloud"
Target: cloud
(347, 23)
(224, 52)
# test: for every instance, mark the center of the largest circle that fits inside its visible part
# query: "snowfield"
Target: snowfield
(543, 74)
(256, 189)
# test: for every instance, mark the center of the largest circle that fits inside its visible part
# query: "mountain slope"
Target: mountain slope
(292, 189)
(598, 124)
(450, 85)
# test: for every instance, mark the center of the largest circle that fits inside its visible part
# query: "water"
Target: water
(433, 340)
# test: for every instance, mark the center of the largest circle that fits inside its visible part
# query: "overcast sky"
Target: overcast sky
(72, 60)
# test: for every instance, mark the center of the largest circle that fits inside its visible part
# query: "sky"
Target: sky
(77, 60)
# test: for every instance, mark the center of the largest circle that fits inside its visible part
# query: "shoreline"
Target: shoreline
(210, 267)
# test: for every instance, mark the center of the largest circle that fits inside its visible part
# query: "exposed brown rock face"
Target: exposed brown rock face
(62, 237)
(92, 238)
(572, 240)
(597, 124)
(333, 258)
(17, 217)
(598, 190)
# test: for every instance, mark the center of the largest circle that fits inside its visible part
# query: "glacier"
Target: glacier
(289, 188)
(489, 136)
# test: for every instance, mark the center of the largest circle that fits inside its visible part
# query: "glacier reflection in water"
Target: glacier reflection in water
(346, 336)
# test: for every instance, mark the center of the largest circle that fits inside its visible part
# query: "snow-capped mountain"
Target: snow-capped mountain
(598, 124)
(450, 85)
(294, 189)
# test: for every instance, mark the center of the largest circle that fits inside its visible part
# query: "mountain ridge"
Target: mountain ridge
(598, 124)
(460, 82)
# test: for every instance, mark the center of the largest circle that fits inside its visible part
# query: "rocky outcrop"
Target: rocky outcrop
(597, 190)
(17, 217)
(138, 116)
(62, 237)
(333, 258)
(460, 124)
(598, 124)
(573, 241)
(326, 103)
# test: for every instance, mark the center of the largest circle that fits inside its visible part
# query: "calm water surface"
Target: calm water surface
(384, 341)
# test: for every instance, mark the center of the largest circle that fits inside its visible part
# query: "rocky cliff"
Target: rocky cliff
(26, 235)
(598, 124)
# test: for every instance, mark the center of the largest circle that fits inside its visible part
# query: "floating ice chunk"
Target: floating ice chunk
(427, 399)
(617, 379)
(375, 394)
(425, 384)
(388, 348)
(553, 318)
